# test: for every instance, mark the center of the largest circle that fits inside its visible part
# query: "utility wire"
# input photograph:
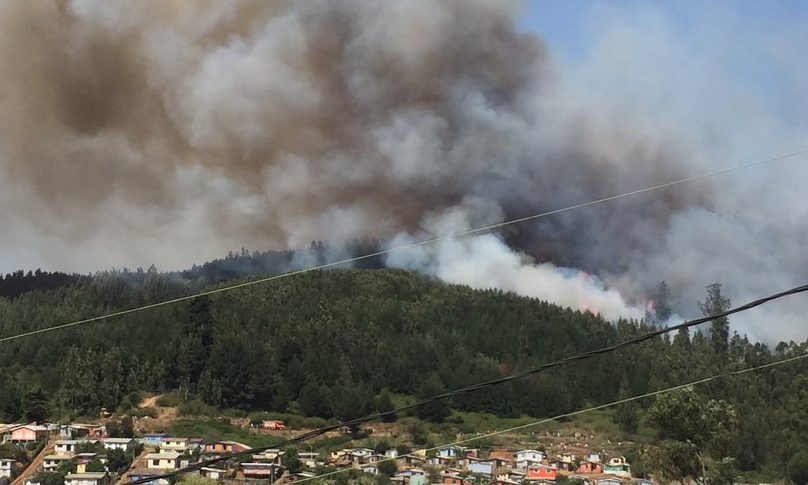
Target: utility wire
(573, 413)
(402, 247)
(482, 385)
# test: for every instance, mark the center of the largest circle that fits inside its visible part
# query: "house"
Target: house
(451, 480)
(172, 444)
(84, 459)
(413, 476)
(261, 470)
(7, 467)
(617, 466)
(118, 443)
(225, 447)
(504, 482)
(65, 447)
(409, 460)
(293, 477)
(588, 467)
(541, 472)
(517, 476)
(309, 458)
(196, 443)
(168, 460)
(391, 453)
(480, 466)
(50, 462)
(28, 433)
(567, 457)
(101, 478)
(97, 431)
(593, 457)
(451, 452)
(272, 456)
(146, 474)
(441, 461)
(525, 458)
(153, 439)
(210, 472)
(370, 469)
(611, 481)
(273, 425)
(563, 466)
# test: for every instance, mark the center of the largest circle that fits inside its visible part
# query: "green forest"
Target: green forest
(336, 344)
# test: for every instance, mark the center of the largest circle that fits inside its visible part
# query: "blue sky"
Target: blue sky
(729, 67)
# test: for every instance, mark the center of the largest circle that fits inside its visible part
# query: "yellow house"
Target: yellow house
(166, 460)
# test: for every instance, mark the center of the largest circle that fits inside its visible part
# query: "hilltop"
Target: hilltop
(339, 344)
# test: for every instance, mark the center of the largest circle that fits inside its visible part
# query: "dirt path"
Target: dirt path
(35, 464)
(150, 402)
(138, 463)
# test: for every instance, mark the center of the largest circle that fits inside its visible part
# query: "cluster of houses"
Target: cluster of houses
(464, 466)
(456, 465)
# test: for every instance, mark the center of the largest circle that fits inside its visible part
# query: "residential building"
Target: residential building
(541, 472)
(261, 470)
(588, 467)
(209, 472)
(50, 462)
(617, 466)
(480, 466)
(7, 467)
(168, 460)
(101, 478)
(173, 444)
(29, 433)
(153, 439)
(225, 447)
(525, 458)
(118, 443)
(65, 447)
(146, 473)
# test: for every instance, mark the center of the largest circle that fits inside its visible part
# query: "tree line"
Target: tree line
(338, 344)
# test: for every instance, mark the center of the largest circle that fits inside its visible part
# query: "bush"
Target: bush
(169, 400)
(145, 413)
(195, 407)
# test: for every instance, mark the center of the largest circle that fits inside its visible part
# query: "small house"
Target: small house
(101, 478)
(168, 460)
(541, 472)
(65, 447)
(525, 458)
(210, 472)
(50, 462)
(617, 466)
(173, 444)
(29, 433)
(589, 467)
(261, 470)
(153, 439)
(118, 443)
(7, 467)
(148, 474)
(225, 447)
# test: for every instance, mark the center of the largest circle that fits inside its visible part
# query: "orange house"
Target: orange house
(541, 472)
(590, 467)
(452, 480)
(29, 433)
(225, 447)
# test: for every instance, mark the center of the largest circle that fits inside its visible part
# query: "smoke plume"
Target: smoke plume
(166, 131)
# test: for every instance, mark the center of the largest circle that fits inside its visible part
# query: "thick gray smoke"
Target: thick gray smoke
(168, 131)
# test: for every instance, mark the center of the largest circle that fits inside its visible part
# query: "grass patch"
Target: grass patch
(212, 429)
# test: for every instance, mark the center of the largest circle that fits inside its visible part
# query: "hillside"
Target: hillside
(336, 344)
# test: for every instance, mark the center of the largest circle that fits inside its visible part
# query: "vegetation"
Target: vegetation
(343, 343)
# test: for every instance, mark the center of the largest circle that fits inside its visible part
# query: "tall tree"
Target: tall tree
(714, 304)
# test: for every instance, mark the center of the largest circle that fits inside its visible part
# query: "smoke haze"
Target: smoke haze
(168, 132)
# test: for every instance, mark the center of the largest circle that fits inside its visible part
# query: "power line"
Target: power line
(489, 383)
(575, 413)
(401, 248)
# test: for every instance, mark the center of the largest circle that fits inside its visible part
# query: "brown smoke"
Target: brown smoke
(145, 125)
